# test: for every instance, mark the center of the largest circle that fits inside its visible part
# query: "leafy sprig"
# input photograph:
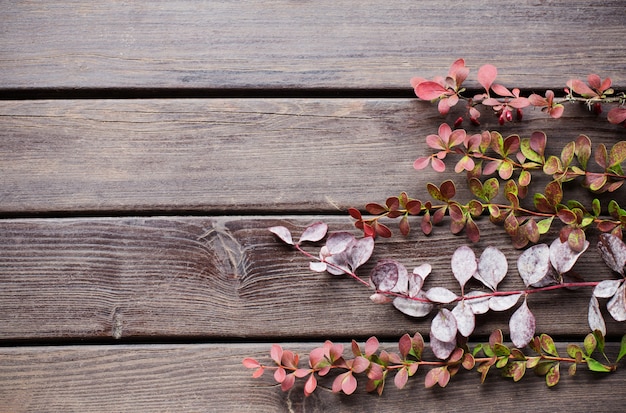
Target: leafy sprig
(379, 365)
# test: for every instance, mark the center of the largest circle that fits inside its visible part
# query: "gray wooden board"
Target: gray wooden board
(252, 155)
(229, 277)
(284, 44)
(211, 378)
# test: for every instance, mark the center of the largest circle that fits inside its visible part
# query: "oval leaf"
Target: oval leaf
(413, 308)
(441, 295)
(465, 319)
(594, 317)
(606, 289)
(314, 232)
(534, 264)
(563, 257)
(613, 252)
(464, 264)
(478, 305)
(492, 267)
(441, 349)
(443, 326)
(522, 326)
(617, 304)
(283, 233)
(503, 302)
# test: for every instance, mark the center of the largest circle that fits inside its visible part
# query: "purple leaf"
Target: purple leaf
(338, 241)
(503, 302)
(606, 288)
(441, 295)
(413, 308)
(359, 252)
(385, 275)
(441, 349)
(617, 304)
(465, 319)
(492, 267)
(443, 326)
(563, 257)
(522, 326)
(464, 264)
(283, 233)
(314, 232)
(478, 305)
(415, 285)
(534, 264)
(594, 317)
(613, 252)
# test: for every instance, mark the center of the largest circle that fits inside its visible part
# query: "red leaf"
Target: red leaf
(616, 115)
(501, 90)
(581, 88)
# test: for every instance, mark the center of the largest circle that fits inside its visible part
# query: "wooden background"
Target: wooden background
(145, 147)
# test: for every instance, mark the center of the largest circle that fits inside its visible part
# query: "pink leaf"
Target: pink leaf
(421, 163)
(310, 385)
(429, 90)
(486, 76)
(283, 233)
(371, 345)
(581, 88)
(314, 232)
(280, 375)
(251, 363)
(401, 378)
(276, 352)
(522, 326)
(501, 90)
(438, 165)
(616, 115)
(386, 274)
(464, 264)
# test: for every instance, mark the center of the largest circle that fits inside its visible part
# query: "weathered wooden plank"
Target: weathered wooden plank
(285, 44)
(225, 278)
(210, 377)
(233, 155)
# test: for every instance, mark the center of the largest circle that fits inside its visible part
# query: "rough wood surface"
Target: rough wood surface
(210, 378)
(325, 44)
(225, 278)
(255, 155)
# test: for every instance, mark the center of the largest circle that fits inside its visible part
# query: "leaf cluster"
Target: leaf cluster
(448, 91)
(378, 365)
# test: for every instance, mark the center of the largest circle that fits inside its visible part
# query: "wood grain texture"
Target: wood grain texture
(258, 155)
(211, 378)
(291, 44)
(226, 278)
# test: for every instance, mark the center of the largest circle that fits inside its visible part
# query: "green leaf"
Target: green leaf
(501, 350)
(528, 152)
(599, 339)
(595, 365)
(595, 207)
(547, 344)
(567, 154)
(491, 187)
(583, 150)
(544, 225)
(617, 154)
(552, 166)
(575, 352)
(622, 350)
(590, 344)
(553, 375)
